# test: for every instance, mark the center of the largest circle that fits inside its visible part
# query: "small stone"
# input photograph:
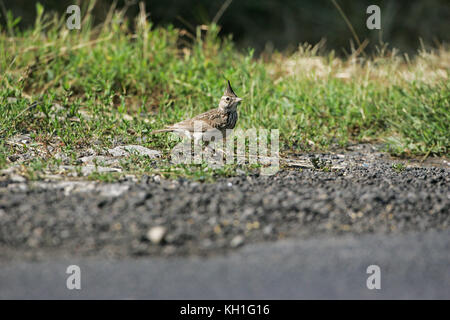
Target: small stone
(8, 171)
(17, 178)
(237, 241)
(33, 242)
(248, 212)
(217, 229)
(65, 234)
(156, 234)
(206, 243)
(92, 159)
(268, 229)
(18, 187)
(113, 190)
(131, 178)
(169, 250)
(89, 169)
(62, 156)
(122, 151)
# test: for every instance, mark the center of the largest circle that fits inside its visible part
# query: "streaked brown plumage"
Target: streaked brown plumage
(221, 118)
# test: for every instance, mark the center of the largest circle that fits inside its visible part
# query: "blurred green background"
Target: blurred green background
(282, 25)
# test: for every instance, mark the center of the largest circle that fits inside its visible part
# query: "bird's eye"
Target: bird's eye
(227, 98)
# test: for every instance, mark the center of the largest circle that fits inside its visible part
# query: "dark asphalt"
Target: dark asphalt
(413, 266)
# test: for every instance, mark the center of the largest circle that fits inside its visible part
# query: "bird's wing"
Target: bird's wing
(211, 119)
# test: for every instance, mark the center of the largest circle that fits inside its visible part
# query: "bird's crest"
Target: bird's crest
(229, 91)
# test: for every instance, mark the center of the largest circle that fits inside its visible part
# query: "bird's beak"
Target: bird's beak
(238, 99)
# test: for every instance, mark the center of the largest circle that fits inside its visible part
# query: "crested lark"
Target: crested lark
(221, 118)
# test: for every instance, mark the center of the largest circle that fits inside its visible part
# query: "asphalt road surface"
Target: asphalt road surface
(414, 266)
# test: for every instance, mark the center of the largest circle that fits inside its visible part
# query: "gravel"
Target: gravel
(41, 219)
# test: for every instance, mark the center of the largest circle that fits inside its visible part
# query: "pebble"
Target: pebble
(122, 151)
(156, 234)
(17, 178)
(237, 241)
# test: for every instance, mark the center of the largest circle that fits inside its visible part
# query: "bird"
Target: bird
(221, 119)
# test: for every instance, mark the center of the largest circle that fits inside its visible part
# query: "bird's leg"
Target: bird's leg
(224, 145)
(222, 152)
(212, 148)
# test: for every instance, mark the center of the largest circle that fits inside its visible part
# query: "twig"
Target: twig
(359, 50)
(221, 11)
(31, 106)
(347, 22)
(425, 156)
(186, 23)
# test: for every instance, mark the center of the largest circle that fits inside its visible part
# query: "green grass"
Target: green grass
(113, 86)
